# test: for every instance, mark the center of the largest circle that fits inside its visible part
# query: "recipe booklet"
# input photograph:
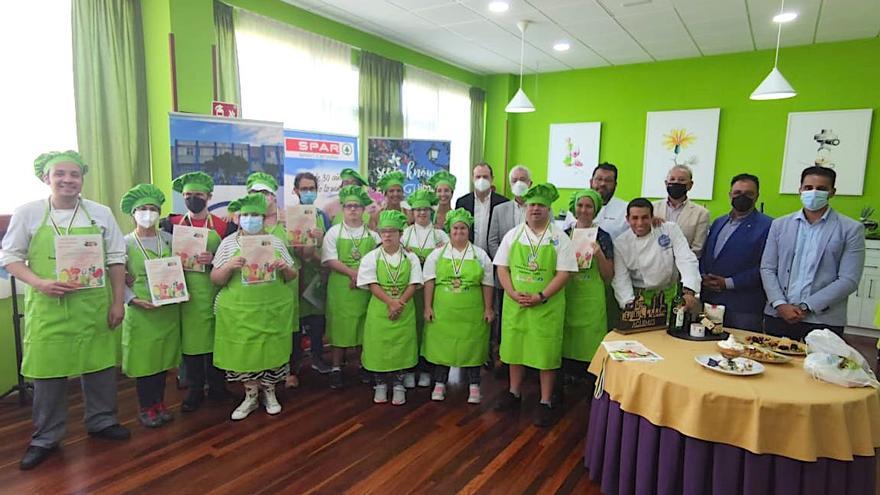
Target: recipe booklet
(188, 243)
(301, 219)
(166, 281)
(259, 254)
(582, 240)
(79, 260)
(630, 350)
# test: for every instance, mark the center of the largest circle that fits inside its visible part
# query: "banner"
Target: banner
(226, 149)
(324, 155)
(418, 159)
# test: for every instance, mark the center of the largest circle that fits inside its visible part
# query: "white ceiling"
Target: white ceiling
(601, 32)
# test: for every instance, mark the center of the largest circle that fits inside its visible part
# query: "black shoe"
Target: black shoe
(336, 379)
(544, 415)
(116, 432)
(222, 395)
(508, 402)
(193, 400)
(34, 456)
(365, 376)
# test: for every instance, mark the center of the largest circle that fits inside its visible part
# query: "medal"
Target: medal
(355, 251)
(355, 254)
(395, 275)
(533, 266)
(533, 249)
(456, 268)
(456, 283)
(394, 291)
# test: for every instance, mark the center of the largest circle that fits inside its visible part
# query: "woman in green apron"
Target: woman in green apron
(421, 238)
(391, 186)
(443, 184)
(534, 261)
(392, 275)
(459, 293)
(344, 247)
(584, 330)
(350, 177)
(150, 334)
(254, 317)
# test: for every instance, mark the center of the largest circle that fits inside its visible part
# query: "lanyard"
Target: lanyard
(456, 270)
(396, 274)
(72, 218)
(421, 244)
(357, 243)
(533, 248)
(159, 244)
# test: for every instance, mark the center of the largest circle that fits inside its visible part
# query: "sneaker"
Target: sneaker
(164, 414)
(474, 395)
(439, 392)
(320, 366)
(336, 379)
(149, 417)
(273, 407)
(508, 402)
(543, 415)
(399, 397)
(380, 396)
(409, 380)
(424, 379)
(247, 406)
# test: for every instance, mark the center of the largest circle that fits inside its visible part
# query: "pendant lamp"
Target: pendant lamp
(520, 103)
(774, 86)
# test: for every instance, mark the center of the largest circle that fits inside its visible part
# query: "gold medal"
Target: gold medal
(456, 283)
(394, 291)
(355, 254)
(533, 248)
(533, 266)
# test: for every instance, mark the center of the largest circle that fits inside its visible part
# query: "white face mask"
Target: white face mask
(519, 188)
(482, 184)
(145, 218)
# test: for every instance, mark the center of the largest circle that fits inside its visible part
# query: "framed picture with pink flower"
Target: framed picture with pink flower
(79, 260)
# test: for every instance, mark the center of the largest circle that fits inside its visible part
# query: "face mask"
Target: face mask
(676, 191)
(195, 204)
(814, 200)
(519, 188)
(742, 203)
(482, 184)
(145, 218)
(308, 197)
(251, 224)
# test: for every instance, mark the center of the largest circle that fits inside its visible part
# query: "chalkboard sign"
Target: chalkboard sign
(644, 315)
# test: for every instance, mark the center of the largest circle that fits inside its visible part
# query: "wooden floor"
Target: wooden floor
(323, 442)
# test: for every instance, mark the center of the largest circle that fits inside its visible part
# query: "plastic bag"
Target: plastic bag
(832, 360)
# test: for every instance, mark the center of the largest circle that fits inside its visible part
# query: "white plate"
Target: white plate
(703, 360)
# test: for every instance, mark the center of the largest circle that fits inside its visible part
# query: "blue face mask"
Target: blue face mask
(814, 200)
(308, 197)
(251, 224)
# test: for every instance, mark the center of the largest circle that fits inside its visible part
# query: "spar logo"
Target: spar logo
(332, 150)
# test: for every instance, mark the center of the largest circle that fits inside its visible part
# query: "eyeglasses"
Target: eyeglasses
(353, 207)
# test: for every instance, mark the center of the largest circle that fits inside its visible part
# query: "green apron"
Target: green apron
(311, 271)
(458, 336)
(197, 314)
(585, 314)
(345, 322)
(532, 336)
(253, 324)
(280, 231)
(419, 296)
(390, 345)
(65, 336)
(150, 337)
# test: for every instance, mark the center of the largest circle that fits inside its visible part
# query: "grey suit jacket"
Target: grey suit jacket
(504, 218)
(837, 274)
(693, 221)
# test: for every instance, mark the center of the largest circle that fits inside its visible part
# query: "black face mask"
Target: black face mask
(676, 191)
(195, 204)
(742, 203)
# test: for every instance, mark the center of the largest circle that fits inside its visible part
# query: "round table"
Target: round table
(672, 426)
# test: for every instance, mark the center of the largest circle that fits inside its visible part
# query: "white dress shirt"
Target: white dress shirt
(482, 209)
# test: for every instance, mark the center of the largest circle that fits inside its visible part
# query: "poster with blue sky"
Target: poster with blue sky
(324, 155)
(418, 159)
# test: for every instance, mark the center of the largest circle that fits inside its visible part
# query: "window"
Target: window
(38, 99)
(438, 108)
(289, 75)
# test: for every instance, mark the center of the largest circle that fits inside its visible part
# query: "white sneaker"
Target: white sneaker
(424, 379)
(474, 395)
(380, 396)
(248, 405)
(399, 397)
(439, 392)
(273, 407)
(409, 380)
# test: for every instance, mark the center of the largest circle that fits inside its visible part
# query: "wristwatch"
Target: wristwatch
(804, 307)
(543, 297)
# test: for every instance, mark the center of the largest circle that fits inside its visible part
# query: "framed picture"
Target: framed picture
(573, 154)
(836, 139)
(681, 137)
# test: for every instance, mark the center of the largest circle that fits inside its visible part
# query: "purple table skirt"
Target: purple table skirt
(626, 454)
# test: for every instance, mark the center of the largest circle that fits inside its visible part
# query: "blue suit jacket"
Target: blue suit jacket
(739, 259)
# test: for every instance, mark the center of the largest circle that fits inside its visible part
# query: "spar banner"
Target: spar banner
(226, 149)
(418, 159)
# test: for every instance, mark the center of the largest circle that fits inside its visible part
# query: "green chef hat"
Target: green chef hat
(392, 219)
(351, 174)
(589, 193)
(442, 177)
(251, 204)
(395, 178)
(542, 194)
(140, 195)
(193, 182)
(423, 198)
(261, 181)
(357, 194)
(45, 161)
(459, 215)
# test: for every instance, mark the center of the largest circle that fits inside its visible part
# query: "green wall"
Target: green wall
(751, 133)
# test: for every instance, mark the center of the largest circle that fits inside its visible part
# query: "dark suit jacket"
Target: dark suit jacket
(467, 202)
(739, 259)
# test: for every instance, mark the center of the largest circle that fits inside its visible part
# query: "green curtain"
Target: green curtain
(380, 100)
(478, 117)
(228, 88)
(111, 99)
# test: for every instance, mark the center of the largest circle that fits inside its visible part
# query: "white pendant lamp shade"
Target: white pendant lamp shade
(773, 87)
(520, 103)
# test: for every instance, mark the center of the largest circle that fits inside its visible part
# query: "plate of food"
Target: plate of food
(764, 355)
(780, 345)
(737, 366)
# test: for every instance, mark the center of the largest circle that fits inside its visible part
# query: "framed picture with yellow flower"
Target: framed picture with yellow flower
(680, 137)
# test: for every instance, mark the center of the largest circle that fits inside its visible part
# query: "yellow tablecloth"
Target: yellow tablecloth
(783, 411)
